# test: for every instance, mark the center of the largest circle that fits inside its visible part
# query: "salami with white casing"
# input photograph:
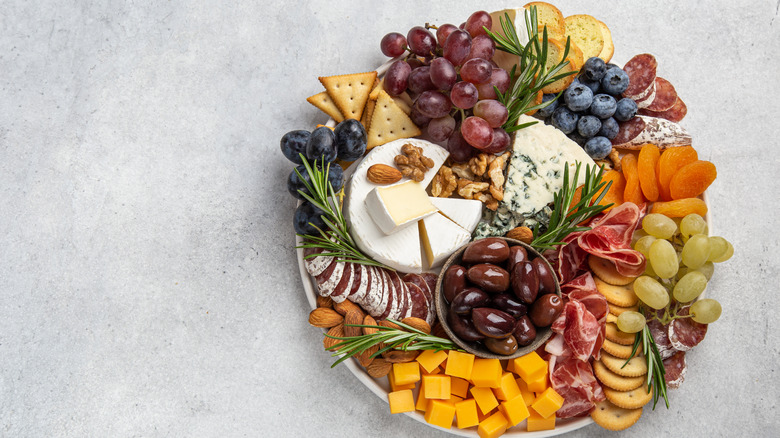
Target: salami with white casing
(645, 129)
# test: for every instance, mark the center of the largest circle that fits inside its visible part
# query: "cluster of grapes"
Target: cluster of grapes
(451, 78)
(681, 261)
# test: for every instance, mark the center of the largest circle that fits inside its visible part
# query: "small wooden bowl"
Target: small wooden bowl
(442, 309)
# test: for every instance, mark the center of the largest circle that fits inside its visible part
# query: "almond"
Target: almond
(324, 317)
(338, 332)
(365, 357)
(523, 234)
(399, 356)
(389, 324)
(354, 316)
(345, 306)
(379, 368)
(324, 301)
(417, 323)
(383, 174)
(369, 320)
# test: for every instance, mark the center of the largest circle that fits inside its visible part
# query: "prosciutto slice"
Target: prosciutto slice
(574, 381)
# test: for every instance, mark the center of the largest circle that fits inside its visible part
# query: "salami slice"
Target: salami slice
(675, 368)
(418, 303)
(628, 130)
(358, 281)
(660, 334)
(430, 280)
(665, 95)
(359, 294)
(645, 101)
(328, 280)
(641, 70)
(341, 291)
(376, 290)
(389, 298)
(660, 132)
(685, 333)
(674, 114)
(316, 265)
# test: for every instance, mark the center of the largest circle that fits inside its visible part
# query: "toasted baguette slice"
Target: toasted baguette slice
(551, 17)
(609, 46)
(576, 61)
(586, 32)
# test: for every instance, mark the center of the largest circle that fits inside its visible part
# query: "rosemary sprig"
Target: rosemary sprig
(656, 374)
(409, 339)
(566, 217)
(533, 74)
(335, 240)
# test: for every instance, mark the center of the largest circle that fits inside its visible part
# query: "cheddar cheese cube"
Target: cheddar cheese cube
(514, 410)
(430, 360)
(547, 403)
(459, 364)
(422, 402)
(436, 386)
(394, 386)
(528, 395)
(529, 366)
(486, 373)
(440, 413)
(493, 426)
(485, 398)
(538, 384)
(466, 413)
(459, 387)
(401, 401)
(507, 388)
(406, 373)
(537, 422)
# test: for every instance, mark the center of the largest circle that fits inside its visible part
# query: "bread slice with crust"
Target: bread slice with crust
(551, 17)
(609, 46)
(585, 31)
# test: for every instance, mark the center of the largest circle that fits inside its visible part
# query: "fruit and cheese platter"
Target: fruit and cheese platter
(502, 232)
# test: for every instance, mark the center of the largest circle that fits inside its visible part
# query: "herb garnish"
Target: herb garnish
(656, 374)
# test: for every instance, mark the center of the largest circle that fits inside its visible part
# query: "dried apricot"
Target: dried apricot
(647, 162)
(692, 179)
(680, 207)
(616, 190)
(632, 192)
(672, 159)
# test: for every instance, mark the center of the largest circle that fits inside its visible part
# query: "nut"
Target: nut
(413, 163)
(365, 357)
(478, 164)
(354, 316)
(379, 368)
(417, 323)
(400, 356)
(444, 183)
(345, 306)
(523, 234)
(389, 324)
(324, 301)
(383, 174)
(438, 331)
(369, 320)
(329, 342)
(325, 318)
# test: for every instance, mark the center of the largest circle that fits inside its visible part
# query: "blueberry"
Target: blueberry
(588, 126)
(609, 128)
(350, 139)
(294, 143)
(548, 110)
(564, 119)
(578, 97)
(336, 176)
(611, 66)
(577, 138)
(625, 109)
(603, 106)
(595, 86)
(306, 217)
(594, 69)
(598, 147)
(294, 183)
(615, 81)
(321, 143)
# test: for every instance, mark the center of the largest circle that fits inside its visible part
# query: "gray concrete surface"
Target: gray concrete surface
(148, 285)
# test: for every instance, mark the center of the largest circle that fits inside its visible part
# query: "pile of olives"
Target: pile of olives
(498, 296)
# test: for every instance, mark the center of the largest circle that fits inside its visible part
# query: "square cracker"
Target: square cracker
(389, 122)
(350, 92)
(326, 104)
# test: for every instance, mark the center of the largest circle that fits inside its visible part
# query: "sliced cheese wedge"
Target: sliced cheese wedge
(464, 212)
(440, 237)
(397, 206)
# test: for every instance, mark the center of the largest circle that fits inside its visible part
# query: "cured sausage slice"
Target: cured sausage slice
(674, 114)
(316, 265)
(331, 277)
(685, 333)
(419, 304)
(628, 130)
(366, 278)
(660, 132)
(675, 368)
(660, 334)
(641, 70)
(341, 291)
(665, 95)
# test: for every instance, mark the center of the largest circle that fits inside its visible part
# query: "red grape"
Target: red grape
(464, 95)
(415, 62)
(420, 80)
(421, 41)
(476, 21)
(460, 151)
(418, 118)
(477, 71)
(482, 47)
(500, 142)
(397, 78)
(443, 74)
(477, 132)
(433, 104)
(457, 47)
(393, 44)
(500, 79)
(443, 32)
(493, 111)
(440, 129)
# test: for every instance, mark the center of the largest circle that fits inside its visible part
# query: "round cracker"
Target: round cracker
(618, 295)
(633, 399)
(614, 334)
(617, 350)
(614, 381)
(636, 366)
(612, 417)
(606, 270)
(617, 310)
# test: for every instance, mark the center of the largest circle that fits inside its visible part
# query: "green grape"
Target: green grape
(692, 224)
(721, 250)
(643, 244)
(696, 251)
(659, 226)
(651, 292)
(707, 269)
(631, 322)
(705, 311)
(664, 259)
(649, 270)
(690, 286)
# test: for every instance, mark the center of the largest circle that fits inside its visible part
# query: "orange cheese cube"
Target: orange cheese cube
(514, 410)
(459, 387)
(482, 417)
(466, 413)
(436, 370)
(394, 386)
(507, 388)
(528, 395)
(510, 366)
(440, 413)
(422, 402)
(436, 386)
(454, 399)
(401, 401)
(493, 426)
(537, 422)
(406, 373)
(547, 403)
(538, 384)
(486, 373)
(459, 364)
(485, 398)
(529, 366)
(430, 360)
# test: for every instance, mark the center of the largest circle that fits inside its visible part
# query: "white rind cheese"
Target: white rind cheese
(397, 206)
(441, 237)
(464, 212)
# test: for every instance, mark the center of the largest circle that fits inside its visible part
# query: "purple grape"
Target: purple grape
(420, 80)
(457, 47)
(500, 79)
(476, 22)
(493, 111)
(464, 95)
(500, 142)
(393, 44)
(397, 78)
(477, 132)
(415, 63)
(443, 32)
(443, 74)
(418, 118)
(460, 150)
(442, 128)
(482, 47)
(477, 71)
(421, 41)
(433, 104)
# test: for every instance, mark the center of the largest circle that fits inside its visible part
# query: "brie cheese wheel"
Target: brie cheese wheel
(399, 205)
(464, 212)
(400, 250)
(440, 238)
